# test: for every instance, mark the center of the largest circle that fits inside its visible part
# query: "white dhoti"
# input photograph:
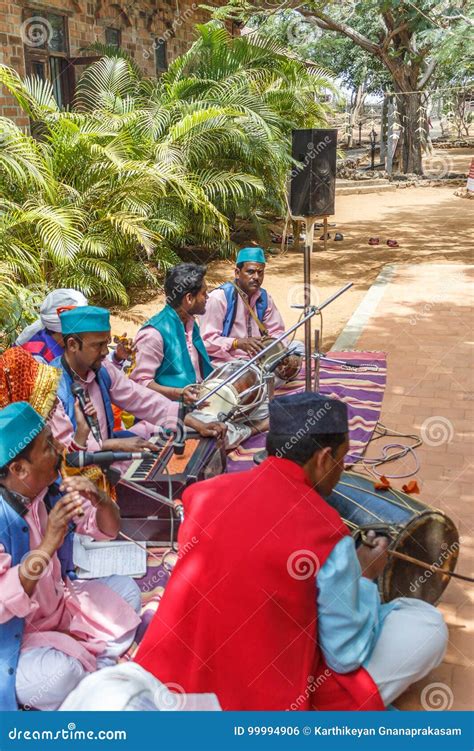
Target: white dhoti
(412, 642)
(45, 676)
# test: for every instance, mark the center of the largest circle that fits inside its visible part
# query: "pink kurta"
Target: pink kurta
(151, 408)
(91, 611)
(150, 352)
(219, 347)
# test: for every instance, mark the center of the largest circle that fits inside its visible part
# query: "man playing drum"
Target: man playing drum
(273, 608)
(170, 356)
(241, 313)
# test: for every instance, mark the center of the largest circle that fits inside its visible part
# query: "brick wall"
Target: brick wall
(140, 24)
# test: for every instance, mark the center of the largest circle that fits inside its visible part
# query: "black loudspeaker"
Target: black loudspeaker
(313, 184)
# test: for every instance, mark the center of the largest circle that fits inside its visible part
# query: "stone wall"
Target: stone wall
(140, 25)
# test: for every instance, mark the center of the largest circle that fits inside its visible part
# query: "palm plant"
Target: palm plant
(139, 167)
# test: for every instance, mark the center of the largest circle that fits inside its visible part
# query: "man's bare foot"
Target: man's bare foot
(259, 426)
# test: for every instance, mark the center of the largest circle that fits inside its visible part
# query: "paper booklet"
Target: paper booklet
(95, 559)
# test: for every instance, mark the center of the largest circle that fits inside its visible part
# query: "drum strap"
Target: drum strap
(262, 329)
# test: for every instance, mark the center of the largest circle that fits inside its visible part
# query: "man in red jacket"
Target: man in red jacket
(270, 606)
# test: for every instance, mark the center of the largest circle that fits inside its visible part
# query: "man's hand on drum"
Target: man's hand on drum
(373, 555)
(213, 429)
(189, 394)
(251, 345)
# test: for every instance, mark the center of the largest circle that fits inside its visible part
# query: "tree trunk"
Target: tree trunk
(356, 108)
(409, 154)
(384, 130)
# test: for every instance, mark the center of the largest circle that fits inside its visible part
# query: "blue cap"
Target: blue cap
(19, 425)
(308, 413)
(251, 254)
(84, 319)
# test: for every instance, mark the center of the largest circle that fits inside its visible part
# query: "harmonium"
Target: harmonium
(148, 491)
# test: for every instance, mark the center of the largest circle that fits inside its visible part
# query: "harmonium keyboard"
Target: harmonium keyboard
(148, 490)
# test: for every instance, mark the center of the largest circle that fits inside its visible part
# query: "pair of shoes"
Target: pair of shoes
(390, 243)
(337, 236)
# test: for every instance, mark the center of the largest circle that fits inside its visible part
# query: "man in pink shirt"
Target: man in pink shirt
(170, 355)
(53, 631)
(228, 328)
(86, 333)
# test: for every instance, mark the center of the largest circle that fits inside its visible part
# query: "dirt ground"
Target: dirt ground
(430, 224)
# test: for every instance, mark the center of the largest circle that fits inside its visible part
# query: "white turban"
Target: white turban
(128, 687)
(49, 318)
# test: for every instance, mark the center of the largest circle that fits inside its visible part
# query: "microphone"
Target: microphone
(79, 393)
(79, 459)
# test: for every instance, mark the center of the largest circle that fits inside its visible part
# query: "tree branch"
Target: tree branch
(325, 22)
(430, 69)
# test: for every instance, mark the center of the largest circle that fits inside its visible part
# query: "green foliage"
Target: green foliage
(140, 168)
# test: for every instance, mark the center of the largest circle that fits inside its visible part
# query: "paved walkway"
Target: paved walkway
(424, 321)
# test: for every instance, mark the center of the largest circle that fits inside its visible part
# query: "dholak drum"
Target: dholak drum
(288, 368)
(413, 528)
(240, 397)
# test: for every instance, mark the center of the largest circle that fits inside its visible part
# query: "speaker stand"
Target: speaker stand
(308, 249)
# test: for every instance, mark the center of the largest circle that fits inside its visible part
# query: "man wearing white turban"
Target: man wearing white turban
(43, 338)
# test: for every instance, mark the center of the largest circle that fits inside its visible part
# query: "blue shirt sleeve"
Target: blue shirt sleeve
(350, 613)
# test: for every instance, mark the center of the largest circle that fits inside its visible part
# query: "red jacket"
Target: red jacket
(239, 614)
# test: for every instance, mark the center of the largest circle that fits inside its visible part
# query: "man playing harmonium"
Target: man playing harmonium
(274, 608)
(86, 334)
(53, 630)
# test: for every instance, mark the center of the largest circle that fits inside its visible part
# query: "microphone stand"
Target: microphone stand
(233, 376)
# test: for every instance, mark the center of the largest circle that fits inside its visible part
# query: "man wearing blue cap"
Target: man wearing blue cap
(292, 619)
(239, 313)
(86, 334)
(53, 631)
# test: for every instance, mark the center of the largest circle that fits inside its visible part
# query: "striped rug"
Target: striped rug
(362, 388)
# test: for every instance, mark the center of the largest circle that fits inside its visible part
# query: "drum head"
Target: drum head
(430, 537)
(246, 392)
(223, 400)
